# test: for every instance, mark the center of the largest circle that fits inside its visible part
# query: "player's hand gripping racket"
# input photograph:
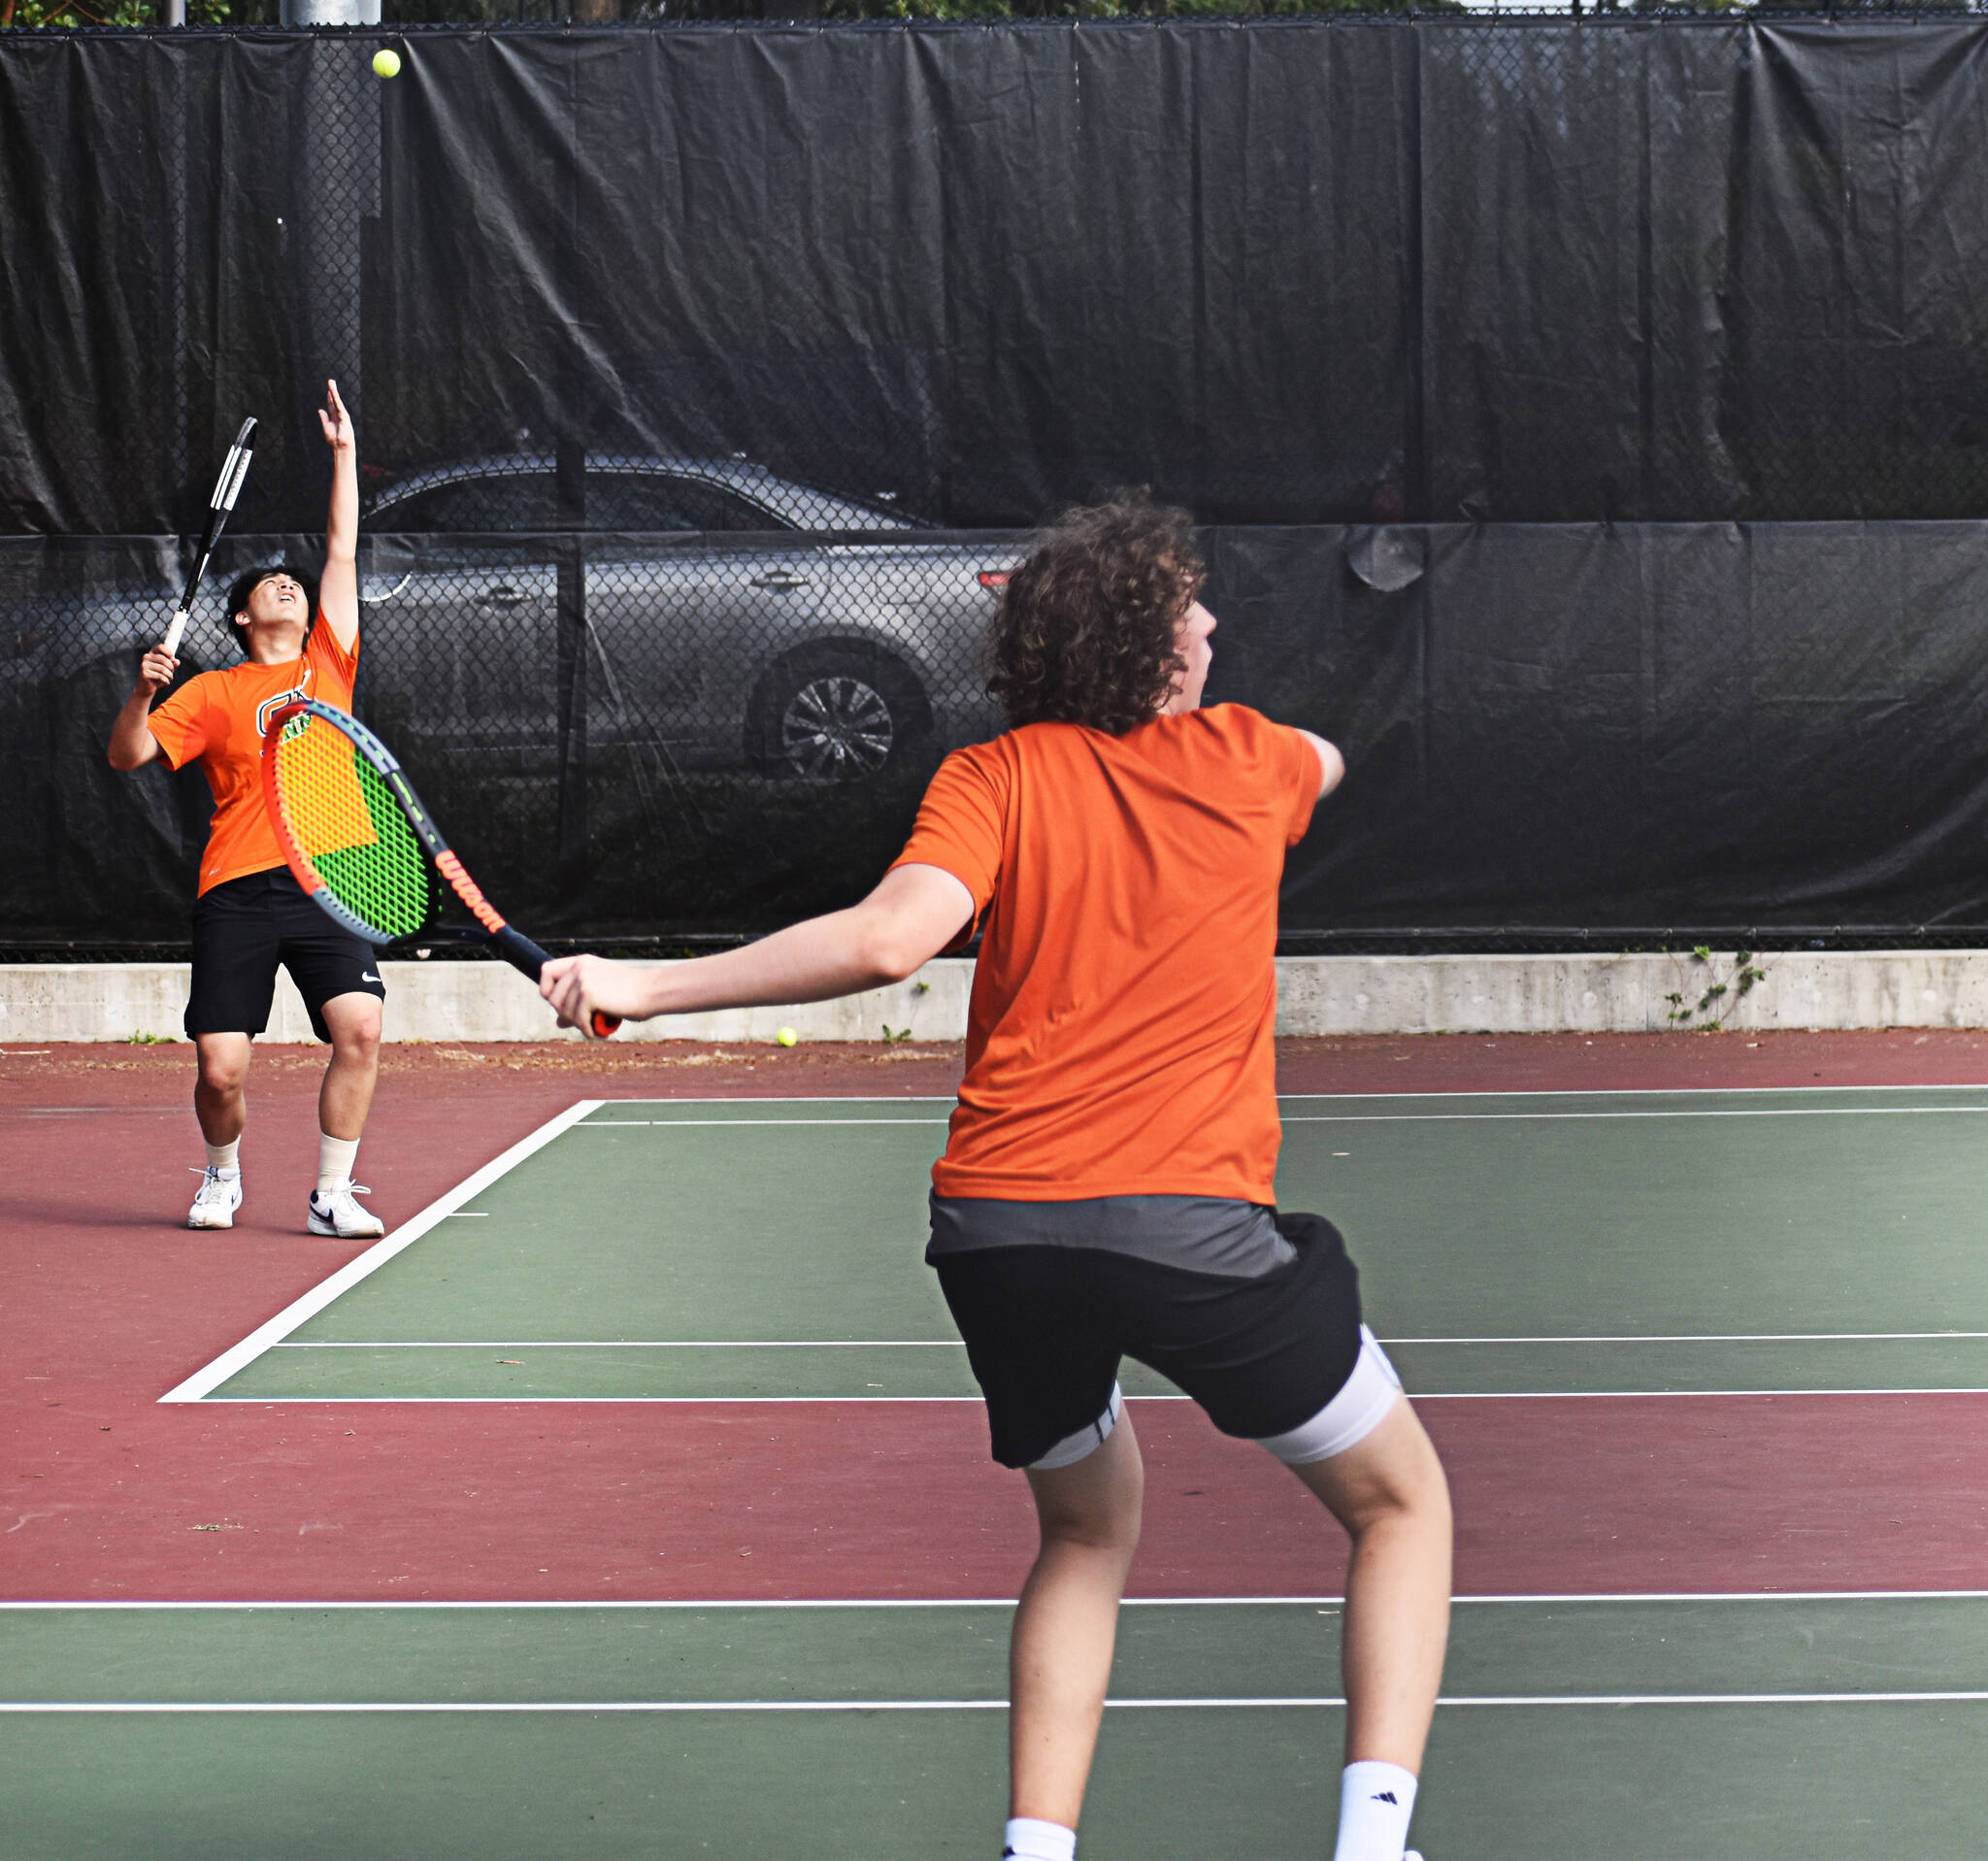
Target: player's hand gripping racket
(362, 845)
(227, 488)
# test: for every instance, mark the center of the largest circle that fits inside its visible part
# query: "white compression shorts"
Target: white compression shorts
(1350, 1416)
(1348, 1419)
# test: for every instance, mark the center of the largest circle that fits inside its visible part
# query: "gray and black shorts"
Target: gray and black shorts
(1252, 1313)
(243, 929)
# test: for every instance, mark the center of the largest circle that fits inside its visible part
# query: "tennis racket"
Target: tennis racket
(227, 488)
(362, 845)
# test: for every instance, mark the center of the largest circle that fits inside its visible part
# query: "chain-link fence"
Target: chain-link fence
(633, 735)
(1558, 736)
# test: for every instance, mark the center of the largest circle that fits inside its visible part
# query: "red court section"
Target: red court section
(108, 1304)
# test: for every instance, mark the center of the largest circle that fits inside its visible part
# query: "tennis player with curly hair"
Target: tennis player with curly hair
(1108, 1183)
(251, 915)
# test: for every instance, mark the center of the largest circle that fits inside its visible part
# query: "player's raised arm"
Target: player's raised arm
(338, 587)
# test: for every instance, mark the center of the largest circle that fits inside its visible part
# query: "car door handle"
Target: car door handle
(503, 596)
(781, 578)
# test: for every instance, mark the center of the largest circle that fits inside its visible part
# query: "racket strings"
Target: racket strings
(351, 828)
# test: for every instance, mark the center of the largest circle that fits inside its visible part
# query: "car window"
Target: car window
(528, 502)
(647, 501)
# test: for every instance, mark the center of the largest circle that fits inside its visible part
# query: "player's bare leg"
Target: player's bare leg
(346, 1095)
(1388, 1491)
(220, 1104)
(342, 1100)
(219, 1091)
(1067, 1623)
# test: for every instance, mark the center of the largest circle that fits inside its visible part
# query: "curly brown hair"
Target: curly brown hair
(1085, 632)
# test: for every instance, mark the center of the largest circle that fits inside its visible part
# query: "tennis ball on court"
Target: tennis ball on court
(387, 62)
(788, 1037)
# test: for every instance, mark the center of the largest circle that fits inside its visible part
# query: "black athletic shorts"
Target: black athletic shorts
(243, 929)
(1047, 1325)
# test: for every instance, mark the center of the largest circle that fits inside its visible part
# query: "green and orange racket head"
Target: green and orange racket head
(343, 827)
(358, 841)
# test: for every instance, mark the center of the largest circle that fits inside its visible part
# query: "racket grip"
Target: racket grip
(171, 643)
(522, 953)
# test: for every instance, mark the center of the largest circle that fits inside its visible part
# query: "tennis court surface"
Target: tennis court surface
(631, 1498)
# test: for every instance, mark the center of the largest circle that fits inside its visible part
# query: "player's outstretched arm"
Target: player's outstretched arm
(338, 589)
(914, 914)
(132, 744)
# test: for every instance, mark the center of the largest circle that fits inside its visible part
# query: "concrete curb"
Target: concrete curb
(1316, 995)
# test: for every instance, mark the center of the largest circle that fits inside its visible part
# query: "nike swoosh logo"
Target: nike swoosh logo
(366, 976)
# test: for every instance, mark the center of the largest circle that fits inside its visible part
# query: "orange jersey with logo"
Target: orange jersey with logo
(217, 720)
(1119, 1040)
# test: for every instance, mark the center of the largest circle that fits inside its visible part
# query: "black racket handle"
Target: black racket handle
(520, 952)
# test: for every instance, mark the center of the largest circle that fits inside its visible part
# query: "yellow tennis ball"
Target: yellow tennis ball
(387, 62)
(788, 1037)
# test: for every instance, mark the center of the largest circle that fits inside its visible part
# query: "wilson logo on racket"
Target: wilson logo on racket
(469, 891)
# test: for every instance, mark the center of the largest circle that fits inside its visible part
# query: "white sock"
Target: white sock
(1375, 1802)
(224, 1156)
(335, 1159)
(1027, 1840)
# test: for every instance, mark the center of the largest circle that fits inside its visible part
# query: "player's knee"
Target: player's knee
(1413, 1480)
(1107, 1523)
(1401, 1480)
(223, 1074)
(355, 1035)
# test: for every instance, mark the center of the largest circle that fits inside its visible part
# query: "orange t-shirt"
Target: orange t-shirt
(1119, 1040)
(217, 718)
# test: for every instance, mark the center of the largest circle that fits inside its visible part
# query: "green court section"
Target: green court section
(1512, 1244)
(881, 1741)
(879, 1372)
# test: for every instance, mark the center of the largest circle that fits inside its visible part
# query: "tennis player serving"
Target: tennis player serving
(251, 915)
(1108, 1183)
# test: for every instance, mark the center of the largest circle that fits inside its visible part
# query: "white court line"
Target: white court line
(1555, 1599)
(908, 1098)
(1550, 1118)
(630, 1344)
(1510, 1092)
(1290, 1703)
(234, 1359)
(954, 1343)
(1360, 1118)
(1578, 1092)
(1416, 1395)
(753, 1124)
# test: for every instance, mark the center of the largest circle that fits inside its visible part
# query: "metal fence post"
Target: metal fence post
(570, 626)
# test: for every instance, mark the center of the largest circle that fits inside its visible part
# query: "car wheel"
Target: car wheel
(839, 713)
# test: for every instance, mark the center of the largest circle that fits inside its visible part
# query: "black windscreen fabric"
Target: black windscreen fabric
(1629, 727)
(985, 272)
(1303, 271)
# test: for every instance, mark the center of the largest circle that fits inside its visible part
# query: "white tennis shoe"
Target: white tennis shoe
(333, 1211)
(217, 1199)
